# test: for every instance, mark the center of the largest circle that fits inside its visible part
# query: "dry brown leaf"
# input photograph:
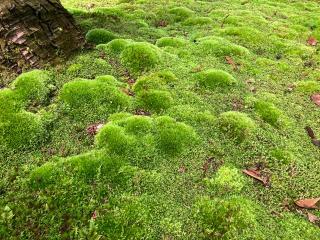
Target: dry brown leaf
(310, 203)
(316, 99)
(231, 62)
(313, 218)
(256, 174)
(312, 41)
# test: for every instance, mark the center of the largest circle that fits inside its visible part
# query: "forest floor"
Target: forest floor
(183, 120)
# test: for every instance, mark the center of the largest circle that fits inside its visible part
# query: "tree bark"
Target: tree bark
(34, 32)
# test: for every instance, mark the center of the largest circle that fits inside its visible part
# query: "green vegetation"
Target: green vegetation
(145, 133)
(213, 78)
(99, 36)
(140, 57)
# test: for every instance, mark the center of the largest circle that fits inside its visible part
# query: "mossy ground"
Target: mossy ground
(180, 122)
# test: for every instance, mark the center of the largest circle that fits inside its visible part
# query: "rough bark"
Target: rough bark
(34, 32)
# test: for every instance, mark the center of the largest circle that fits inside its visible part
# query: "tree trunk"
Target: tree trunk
(34, 32)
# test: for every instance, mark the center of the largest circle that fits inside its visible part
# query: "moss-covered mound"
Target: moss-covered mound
(130, 133)
(99, 36)
(93, 99)
(193, 21)
(140, 57)
(270, 113)
(236, 124)
(227, 218)
(170, 42)
(20, 129)
(115, 46)
(212, 79)
(181, 13)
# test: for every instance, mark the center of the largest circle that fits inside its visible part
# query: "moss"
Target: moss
(158, 80)
(293, 227)
(192, 21)
(138, 125)
(93, 99)
(154, 100)
(181, 13)
(308, 86)
(227, 179)
(192, 116)
(170, 42)
(221, 48)
(10, 102)
(114, 138)
(68, 171)
(22, 130)
(224, 218)
(115, 46)
(140, 57)
(213, 78)
(270, 113)
(283, 156)
(236, 124)
(129, 217)
(99, 36)
(32, 86)
(87, 66)
(173, 137)
(109, 79)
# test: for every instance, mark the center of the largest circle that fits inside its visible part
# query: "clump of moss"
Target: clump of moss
(181, 13)
(10, 102)
(224, 218)
(171, 136)
(236, 124)
(228, 179)
(21, 130)
(129, 217)
(213, 78)
(154, 100)
(283, 155)
(115, 46)
(99, 36)
(32, 86)
(130, 133)
(93, 99)
(87, 66)
(170, 42)
(308, 86)
(270, 113)
(221, 47)
(140, 57)
(192, 21)
(158, 80)
(115, 139)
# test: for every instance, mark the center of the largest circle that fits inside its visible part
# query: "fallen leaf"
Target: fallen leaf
(142, 112)
(316, 99)
(310, 203)
(231, 62)
(94, 128)
(94, 215)
(127, 91)
(182, 169)
(256, 174)
(312, 41)
(313, 218)
(310, 132)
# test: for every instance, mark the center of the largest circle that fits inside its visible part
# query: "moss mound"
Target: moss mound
(213, 78)
(22, 130)
(140, 57)
(228, 179)
(238, 125)
(221, 47)
(154, 100)
(308, 86)
(115, 46)
(193, 21)
(224, 218)
(32, 86)
(93, 99)
(270, 113)
(158, 80)
(99, 36)
(170, 42)
(128, 134)
(181, 13)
